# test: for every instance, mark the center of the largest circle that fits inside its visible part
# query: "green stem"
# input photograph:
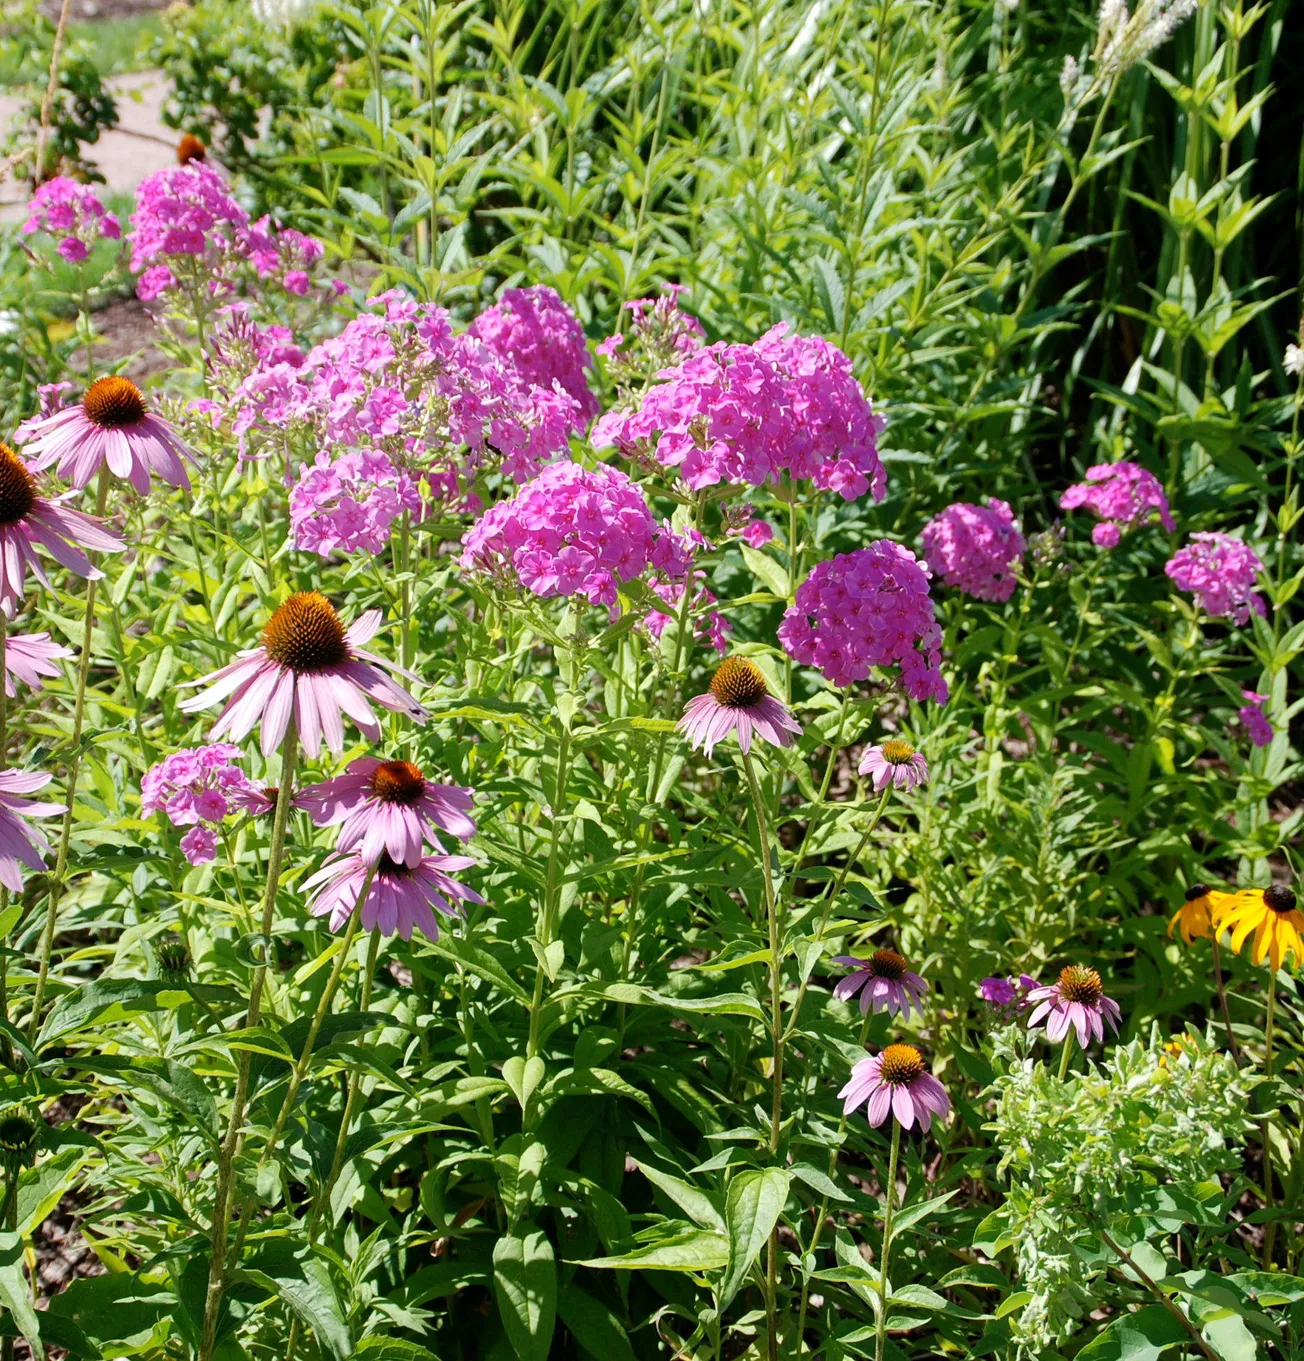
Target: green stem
(552, 888)
(351, 1100)
(1222, 997)
(1066, 1053)
(831, 896)
(221, 1221)
(1153, 1288)
(1268, 1200)
(889, 1192)
(818, 1231)
(300, 1069)
(774, 926)
(74, 770)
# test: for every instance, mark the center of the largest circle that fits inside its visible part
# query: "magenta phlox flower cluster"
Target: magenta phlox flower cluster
(282, 254)
(1122, 496)
(1221, 572)
(533, 329)
(748, 414)
(573, 531)
(709, 626)
(186, 217)
(194, 786)
(73, 215)
(348, 504)
(1254, 720)
(865, 609)
(399, 380)
(975, 548)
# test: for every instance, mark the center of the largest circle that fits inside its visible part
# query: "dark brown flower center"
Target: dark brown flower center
(398, 782)
(1077, 983)
(391, 868)
(1197, 891)
(902, 1064)
(113, 403)
(1280, 898)
(190, 148)
(738, 683)
(305, 634)
(17, 487)
(887, 964)
(898, 753)
(17, 1132)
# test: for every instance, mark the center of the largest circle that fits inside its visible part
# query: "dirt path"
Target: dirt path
(138, 146)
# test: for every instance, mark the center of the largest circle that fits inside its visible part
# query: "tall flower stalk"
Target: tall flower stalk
(74, 771)
(774, 928)
(221, 1218)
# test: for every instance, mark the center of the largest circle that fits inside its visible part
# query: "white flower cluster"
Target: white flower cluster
(1083, 1155)
(1122, 40)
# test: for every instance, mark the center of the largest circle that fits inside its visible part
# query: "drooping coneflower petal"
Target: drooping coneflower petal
(739, 701)
(310, 669)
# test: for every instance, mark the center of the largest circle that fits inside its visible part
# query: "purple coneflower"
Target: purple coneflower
(111, 424)
(896, 1082)
(28, 519)
(400, 897)
(884, 982)
(1077, 999)
(1006, 992)
(308, 667)
(737, 700)
(30, 658)
(894, 763)
(18, 841)
(388, 807)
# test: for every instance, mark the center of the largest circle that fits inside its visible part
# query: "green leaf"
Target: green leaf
(763, 566)
(390, 1349)
(119, 1312)
(302, 1281)
(700, 1207)
(1142, 1336)
(752, 1209)
(523, 1076)
(13, 1292)
(696, 1250)
(42, 1187)
(818, 1181)
(525, 1282)
(595, 1327)
(109, 999)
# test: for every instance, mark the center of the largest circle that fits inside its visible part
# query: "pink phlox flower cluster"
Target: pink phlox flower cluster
(283, 254)
(399, 379)
(572, 531)
(975, 548)
(533, 329)
(1221, 572)
(1121, 495)
(709, 627)
(73, 215)
(186, 213)
(349, 504)
(865, 609)
(194, 786)
(1254, 720)
(747, 414)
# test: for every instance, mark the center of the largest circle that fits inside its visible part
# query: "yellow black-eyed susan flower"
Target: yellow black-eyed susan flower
(1195, 916)
(1270, 915)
